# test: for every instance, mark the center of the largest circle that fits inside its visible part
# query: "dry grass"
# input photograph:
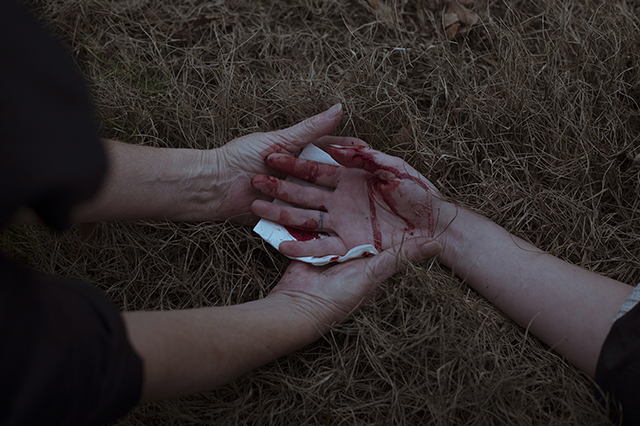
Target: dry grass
(533, 121)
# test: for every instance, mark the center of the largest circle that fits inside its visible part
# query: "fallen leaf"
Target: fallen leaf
(457, 19)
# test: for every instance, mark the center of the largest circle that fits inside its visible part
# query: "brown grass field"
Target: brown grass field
(532, 120)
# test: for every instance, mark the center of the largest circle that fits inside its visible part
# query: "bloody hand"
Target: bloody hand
(243, 158)
(375, 199)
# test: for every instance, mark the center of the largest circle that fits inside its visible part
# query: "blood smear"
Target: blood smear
(301, 235)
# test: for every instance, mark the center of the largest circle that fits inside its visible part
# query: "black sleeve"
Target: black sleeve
(65, 354)
(618, 368)
(50, 154)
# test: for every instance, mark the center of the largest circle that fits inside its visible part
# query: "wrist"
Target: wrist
(206, 186)
(313, 315)
(188, 184)
(447, 232)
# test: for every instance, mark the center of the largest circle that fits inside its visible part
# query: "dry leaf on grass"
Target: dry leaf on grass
(458, 20)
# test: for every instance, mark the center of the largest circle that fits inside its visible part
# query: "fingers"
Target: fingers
(384, 166)
(395, 258)
(311, 171)
(321, 247)
(292, 193)
(309, 130)
(307, 220)
(365, 158)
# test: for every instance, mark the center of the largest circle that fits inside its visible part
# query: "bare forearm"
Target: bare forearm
(195, 350)
(569, 308)
(155, 183)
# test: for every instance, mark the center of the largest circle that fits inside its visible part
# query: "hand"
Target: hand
(243, 158)
(376, 199)
(331, 294)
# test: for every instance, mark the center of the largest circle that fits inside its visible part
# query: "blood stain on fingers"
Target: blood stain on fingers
(271, 186)
(302, 235)
(266, 184)
(363, 157)
(368, 163)
(272, 149)
(306, 170)
(284, 216)
(309, 225)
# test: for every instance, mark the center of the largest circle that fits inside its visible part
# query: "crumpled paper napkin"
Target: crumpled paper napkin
(275, 233)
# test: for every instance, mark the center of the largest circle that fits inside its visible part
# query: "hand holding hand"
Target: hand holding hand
(375, 199)
(331, 294)
(243, 158)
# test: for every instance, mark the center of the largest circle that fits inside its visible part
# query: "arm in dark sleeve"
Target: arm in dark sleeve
(618, 368)
(64, 353)
(50, 155)
(65, 356)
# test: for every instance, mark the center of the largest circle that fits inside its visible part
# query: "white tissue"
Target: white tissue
(275, 233)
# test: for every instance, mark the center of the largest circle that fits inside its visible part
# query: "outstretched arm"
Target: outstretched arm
(195, 350)
(199, 185)
(196, 185)
(569, 308)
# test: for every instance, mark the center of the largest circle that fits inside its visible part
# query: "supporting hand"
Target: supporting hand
(187, 351)
(243, 158)
(330, 295)
(198, 185)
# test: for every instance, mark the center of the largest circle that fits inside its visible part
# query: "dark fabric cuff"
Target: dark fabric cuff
(66, 357)
(618, 368)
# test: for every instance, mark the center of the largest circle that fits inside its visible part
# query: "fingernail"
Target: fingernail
(334, 111)
(430, 249)
(339, 146)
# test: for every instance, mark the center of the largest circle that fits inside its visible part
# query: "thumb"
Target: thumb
(307, 131)
(395, 258)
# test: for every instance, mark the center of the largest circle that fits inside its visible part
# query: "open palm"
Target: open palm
(375, 199)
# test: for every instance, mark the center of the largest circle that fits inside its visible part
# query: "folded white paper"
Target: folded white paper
(275, 233)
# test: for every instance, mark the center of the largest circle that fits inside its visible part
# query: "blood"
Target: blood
(309, 224)
(366, 254)
(384, 190)
(268, 183)
(306, 170)
(369, 164)
(271, 150)
(284, 216)
(301, 235)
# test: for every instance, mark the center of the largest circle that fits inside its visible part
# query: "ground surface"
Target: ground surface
(531, 120)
